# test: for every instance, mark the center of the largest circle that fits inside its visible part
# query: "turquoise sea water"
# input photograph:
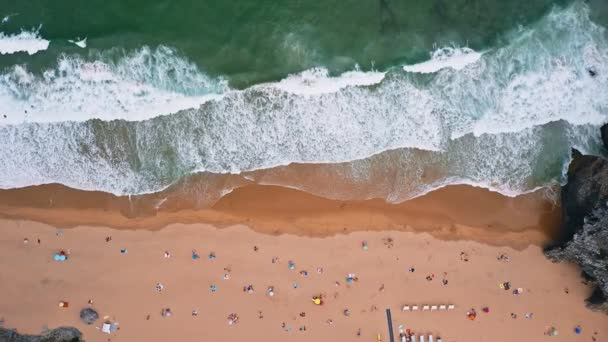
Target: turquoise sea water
(130, 96)
(250, 41)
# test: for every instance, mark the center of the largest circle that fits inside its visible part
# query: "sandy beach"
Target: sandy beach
(253, 226)
(122, 286)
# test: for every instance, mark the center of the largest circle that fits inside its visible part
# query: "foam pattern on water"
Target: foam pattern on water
(505, 121)
(24, 41)
(131, 86)
(447, 57)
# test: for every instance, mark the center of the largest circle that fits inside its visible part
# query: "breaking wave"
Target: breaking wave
(25, 41)
(130, 86)
(448, 57)
(504, 119)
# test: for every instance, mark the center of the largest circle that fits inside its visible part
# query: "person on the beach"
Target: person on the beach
(472, 314)
(233, 318)
(464, 256)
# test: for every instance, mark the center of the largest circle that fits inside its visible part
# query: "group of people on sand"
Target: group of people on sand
(320, 298)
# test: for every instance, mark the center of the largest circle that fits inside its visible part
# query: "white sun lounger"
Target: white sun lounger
(421, 338)
(405, 308)
(442, 307)
(433, 307)
(430, 338)
(415, 307)
(425, 307)
(106, 328)
(451, 307)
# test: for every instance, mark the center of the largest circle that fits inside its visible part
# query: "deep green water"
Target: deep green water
(250, 41)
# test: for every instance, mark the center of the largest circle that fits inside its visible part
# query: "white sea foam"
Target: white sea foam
(160, 203)
(447, 57)
(499, 122)
(25, 41)
(546, 80)
(7, 18)
(317, 81)
(81, 43)
(139, 86)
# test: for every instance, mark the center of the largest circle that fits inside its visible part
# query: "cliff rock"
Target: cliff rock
(61, 334)
(585, 223)
(88, 315)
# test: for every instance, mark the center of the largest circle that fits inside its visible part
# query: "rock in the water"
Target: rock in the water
(585, 223)
(61, 334)
(88, 315)
(604, 131)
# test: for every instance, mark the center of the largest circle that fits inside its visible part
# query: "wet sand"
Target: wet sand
(122, 286)
(453, 212)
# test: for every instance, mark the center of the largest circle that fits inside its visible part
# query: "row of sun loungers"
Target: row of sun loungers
(421, 338)
(428, 307)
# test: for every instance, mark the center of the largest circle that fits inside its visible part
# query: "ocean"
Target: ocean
(394, 98)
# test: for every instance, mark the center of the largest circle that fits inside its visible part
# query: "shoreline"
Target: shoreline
(449, 213)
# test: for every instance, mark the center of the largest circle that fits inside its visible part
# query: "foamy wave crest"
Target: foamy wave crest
(25, 41)
(317, 81)
(7, 18)
(509, 163)
(81, 43)
(140, 85)
(506, 121)
(447, 57)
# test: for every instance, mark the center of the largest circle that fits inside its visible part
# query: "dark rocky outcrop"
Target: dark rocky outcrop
(589, 249)
(585, 222)
(88, 315)
(586, 190)
(604, 131)
(61, 334)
